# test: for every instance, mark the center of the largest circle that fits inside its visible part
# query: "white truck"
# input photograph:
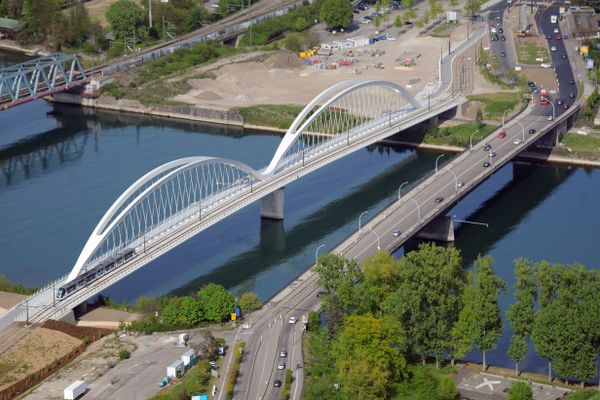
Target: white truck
(74, 390)
(553, 19)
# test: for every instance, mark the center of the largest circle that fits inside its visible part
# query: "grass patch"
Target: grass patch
(443, 29)
(584, 143)
(494, 104)
(528, 52)
(584, 395)
(491, 77)
(234, 371)
(273, 115)
(458, 135)
(194, 382)
(155, 93)
(7, 286)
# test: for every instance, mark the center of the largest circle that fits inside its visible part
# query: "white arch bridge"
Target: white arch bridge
(181, 198)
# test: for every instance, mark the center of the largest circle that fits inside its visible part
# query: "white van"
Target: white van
(553, 19)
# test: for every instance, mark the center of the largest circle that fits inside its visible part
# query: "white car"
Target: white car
(460, 184)
(396, 233)
(281, 365)
(549, 118)
(556, 31)
(293, 320)
(553, 48)
(517, 141)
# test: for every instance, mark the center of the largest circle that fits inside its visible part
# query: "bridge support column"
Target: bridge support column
(272, 235)
(440, 229)
(271, 206)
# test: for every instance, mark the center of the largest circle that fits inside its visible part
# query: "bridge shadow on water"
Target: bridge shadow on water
(276, 245)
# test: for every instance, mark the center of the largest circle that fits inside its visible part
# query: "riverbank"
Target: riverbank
(11, 45)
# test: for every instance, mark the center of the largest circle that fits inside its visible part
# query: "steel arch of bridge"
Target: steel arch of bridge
(340, 109)
(36, 78)
(168, 195)
(186, 189)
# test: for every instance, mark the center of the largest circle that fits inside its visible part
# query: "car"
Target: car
(566, 106)
(503, 38)
(503, 54)
(368, 17)
(408, 23)
(545, 65)
(293, 320)
(486, 164)
(276, 383)
(532, 131)
(396, 233)
(460, 184)
(213, 364)
(439, 199)
(283, 353)
(572, 95)
(556, 30)
(558, 37)
(487, 147)
(544, 102)
(365, 21)
(531, 84)
(549, 118)
(571, 82)
(559, 102)
(281, 365)
(549, 37)
(517, 141)
(355, 11)
(500, 30)
(492, 154)
(565, 36)
(502, 134)
(553, 48)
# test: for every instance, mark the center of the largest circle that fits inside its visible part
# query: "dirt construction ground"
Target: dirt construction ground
(251, 83)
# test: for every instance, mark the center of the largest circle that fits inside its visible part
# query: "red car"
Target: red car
(502, 134)
(558, 37)
(544, 102)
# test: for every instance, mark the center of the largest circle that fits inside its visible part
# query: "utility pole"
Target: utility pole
(150, 13)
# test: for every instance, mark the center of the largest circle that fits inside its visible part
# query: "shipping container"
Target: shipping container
(74, 390)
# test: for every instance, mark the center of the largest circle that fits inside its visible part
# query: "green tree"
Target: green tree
(381, 276)
(488, 324)
(429, 298)
(453, 3)
(249, 302)
(398, 22)
(472, 7)
(427, 384)
(336, 13)
(216, 302)
(520, 391)
(127, 19)
(521, 313)
(382, 338)
(479, 118)
(364, 377)
(182, 312)
(463, 331)
(447, 389)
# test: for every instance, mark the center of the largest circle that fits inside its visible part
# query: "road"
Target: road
(406, 216)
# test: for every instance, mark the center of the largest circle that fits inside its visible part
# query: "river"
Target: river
(64, 166)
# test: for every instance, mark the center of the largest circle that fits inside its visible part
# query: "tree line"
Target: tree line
(388, 314)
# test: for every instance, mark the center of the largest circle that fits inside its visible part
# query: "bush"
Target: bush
(314, 321)
(124, 354)
(520, 391)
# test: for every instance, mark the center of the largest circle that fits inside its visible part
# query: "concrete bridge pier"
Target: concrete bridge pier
(271, 206)
(441, 229)
(272, 235)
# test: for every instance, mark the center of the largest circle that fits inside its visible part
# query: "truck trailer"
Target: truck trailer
(74, 390)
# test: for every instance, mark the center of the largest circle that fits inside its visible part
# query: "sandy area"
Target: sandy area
(34, 352)
(97, 9)
(102, 317)
(7, 300)
(252, 83)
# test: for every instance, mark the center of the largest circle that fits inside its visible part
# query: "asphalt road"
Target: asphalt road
(499, 47)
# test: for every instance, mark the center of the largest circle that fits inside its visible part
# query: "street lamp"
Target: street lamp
(317, 254)
(553, 110)
(436, 161)
(503, 115)
(471, 139)
(378, 242)
(359, 219)
(418, 208)
(400, 189)
(455, 179)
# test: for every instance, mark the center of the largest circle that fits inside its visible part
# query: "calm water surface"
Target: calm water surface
(63, 167)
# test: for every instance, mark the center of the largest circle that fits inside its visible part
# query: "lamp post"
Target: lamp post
(436, 161)
(455, 179)
(503, 115)
(317, 254)
(359, 219)
(418, 208)
(400, 189)
(471, 139)
(378, 242)
(553, 110)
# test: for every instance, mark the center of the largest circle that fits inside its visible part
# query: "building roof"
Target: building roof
(10, 24)
(583, 21)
